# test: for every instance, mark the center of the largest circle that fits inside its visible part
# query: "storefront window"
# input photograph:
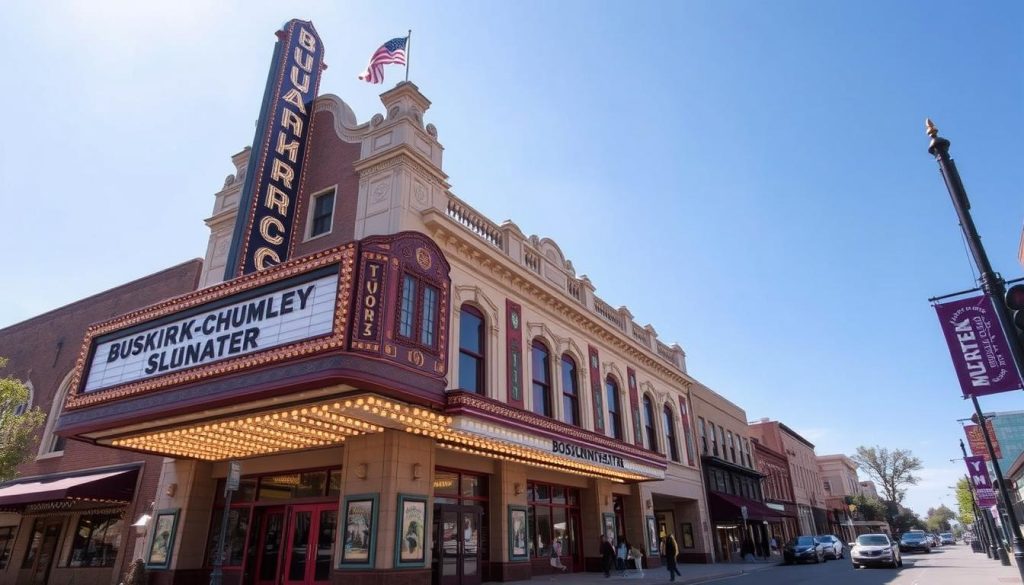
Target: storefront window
(6, 540)
(446, 487)
(291, 486)
(234, 542)
(33, 545)
(553, 519)
(467, 489)
(96, 541)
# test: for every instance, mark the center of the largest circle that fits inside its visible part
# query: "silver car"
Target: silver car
(875, 549)
(832, 546)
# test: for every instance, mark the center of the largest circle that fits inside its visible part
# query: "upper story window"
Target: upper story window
(721, 441)
(322, 216)
(570, 391)
(670, 433)
(746, 451)
(703, 435)
(417, 311)
(714, 439)
(541, 378)
(611, 390)
(732, 446)
(471, 350)
(828, 485)
(650, 435)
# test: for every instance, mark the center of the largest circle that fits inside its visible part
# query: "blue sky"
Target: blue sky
(749, 177)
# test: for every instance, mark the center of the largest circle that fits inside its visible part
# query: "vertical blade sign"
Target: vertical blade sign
(266, 212)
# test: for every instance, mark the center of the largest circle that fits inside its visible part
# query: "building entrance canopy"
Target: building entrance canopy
(728, 507)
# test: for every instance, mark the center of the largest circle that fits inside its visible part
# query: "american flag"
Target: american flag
(392, 51)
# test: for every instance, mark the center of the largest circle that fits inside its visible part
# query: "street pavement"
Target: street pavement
(947, 565)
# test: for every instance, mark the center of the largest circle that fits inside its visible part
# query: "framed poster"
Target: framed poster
(653, 538)
(161, 539)
(687, 535)
(608, 527)
(359, 539)
(517, 533)
(411, 531)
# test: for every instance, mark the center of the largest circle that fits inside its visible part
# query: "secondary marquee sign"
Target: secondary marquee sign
(979, 347)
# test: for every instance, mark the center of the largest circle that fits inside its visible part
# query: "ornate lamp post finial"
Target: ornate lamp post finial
(929, 128)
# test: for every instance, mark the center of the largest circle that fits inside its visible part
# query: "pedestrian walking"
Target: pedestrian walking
(621, 551)
(671, 552)
(607, 556)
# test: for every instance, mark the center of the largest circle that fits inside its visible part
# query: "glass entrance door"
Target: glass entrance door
(268, 549)
(44, 558)
(310, 535)
(457, 545)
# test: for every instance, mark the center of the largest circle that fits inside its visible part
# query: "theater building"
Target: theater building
(416, 394)
(738, 515)
(67, 517)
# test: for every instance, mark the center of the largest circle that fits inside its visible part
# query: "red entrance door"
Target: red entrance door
(310, 536)
(271, 541)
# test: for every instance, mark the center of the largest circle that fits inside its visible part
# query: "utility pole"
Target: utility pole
(992, 285)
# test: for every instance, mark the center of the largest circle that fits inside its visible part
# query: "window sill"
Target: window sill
(50, 455)
(317, 237)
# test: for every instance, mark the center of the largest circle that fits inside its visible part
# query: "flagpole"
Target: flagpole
(408, 50)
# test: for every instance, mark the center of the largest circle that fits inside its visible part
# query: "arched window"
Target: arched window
(471, 350)
(541, 378)
(611, 389)
(649, 434)
(670, 433)
(570, 391)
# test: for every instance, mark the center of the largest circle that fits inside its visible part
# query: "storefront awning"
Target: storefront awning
(111, 486)
(727, 507)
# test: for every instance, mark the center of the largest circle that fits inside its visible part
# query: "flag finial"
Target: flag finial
(929, 128)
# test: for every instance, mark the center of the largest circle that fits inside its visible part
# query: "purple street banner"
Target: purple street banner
(979, 348)
(977, 473)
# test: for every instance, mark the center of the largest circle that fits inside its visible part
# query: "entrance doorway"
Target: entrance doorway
(48, 535)
(295, 544)
(457, 544)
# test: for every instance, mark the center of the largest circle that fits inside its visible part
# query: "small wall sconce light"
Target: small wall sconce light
(361, 470)
(142, 521)
(517, 488)
(607, 499)
(417, 471)
(172, 488)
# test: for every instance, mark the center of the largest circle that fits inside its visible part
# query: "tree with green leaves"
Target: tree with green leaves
(868, 508)
(938, 519)
(964, 502)
(893, 470)
(17, 424)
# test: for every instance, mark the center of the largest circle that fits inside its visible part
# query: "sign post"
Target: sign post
(230, 486)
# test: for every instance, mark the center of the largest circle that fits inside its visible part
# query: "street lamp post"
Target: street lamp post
(988, 528)
(992, 285)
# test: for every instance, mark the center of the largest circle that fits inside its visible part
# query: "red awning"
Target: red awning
(726, 507)
(118, 486)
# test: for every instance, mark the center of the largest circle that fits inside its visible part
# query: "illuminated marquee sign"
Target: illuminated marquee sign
(371, 299)
(586, 454)
(301, 309)
(266, 212)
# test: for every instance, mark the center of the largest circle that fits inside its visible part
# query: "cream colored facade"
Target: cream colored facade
(402, 186)
(839, 480)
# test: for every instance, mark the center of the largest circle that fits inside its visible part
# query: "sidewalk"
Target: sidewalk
(692, 573)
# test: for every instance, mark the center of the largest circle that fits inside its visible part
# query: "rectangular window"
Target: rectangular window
(33, 545)
(714, 440)
(732, 446)
(703, 436)
(323, 213)
(97, 540)
(828, 485)
(407, 308)
(721, 441)
(428, 316)
(6, 541)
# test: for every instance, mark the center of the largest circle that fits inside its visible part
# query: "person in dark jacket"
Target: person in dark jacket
(671, 552)
(607, 556)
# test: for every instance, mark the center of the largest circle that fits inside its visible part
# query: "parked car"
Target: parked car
(936, 541)
(803, 548)
(875, 549)
(947, 538)
(833, 546)
(915, 541)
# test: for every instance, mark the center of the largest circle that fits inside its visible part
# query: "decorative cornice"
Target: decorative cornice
(505, 272)
(398, 155)
(458, 401)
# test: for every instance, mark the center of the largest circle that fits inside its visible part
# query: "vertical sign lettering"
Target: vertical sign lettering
(514, 341)
(370, 300)
(981, 483)
(979, 347)
(267, 209)
(634, 403)
(595, 389)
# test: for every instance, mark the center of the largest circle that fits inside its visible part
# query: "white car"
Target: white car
(832, 546)
(875, 549)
